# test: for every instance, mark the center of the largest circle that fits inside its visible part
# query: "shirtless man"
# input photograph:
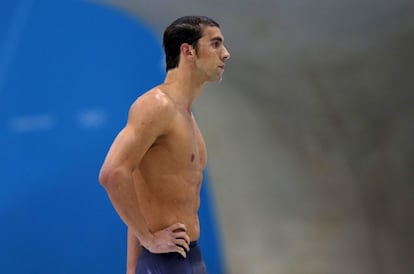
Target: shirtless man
(153, 170)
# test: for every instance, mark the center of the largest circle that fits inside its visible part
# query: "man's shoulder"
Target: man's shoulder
(154, 99)
(153, 103)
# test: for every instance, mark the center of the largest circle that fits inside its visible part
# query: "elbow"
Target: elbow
(103, 177)
(110, 177)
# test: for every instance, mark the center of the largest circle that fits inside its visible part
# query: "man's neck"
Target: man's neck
(182, 86)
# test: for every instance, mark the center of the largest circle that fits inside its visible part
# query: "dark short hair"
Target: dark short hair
(187, 29)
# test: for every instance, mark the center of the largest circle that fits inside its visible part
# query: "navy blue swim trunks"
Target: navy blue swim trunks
(172, 263)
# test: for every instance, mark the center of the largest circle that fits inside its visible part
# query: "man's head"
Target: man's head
(187, 29)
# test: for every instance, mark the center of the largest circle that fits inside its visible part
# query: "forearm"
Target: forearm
(121, 192)
(133, 251)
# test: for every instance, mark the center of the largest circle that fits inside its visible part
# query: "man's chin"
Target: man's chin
(216, 80)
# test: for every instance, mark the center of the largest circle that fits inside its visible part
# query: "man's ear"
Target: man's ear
(187, 50)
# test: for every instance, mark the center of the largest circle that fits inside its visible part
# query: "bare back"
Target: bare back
(169, 176)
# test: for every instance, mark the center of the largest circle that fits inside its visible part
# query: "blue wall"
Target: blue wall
(69, 71)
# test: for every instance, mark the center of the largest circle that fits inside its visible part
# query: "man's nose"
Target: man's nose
(226, 54)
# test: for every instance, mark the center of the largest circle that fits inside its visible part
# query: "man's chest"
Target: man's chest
(186, 142)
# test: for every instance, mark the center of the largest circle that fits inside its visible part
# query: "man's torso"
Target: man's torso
(169, 177)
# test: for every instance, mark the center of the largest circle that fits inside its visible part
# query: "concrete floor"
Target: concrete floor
(300, 177)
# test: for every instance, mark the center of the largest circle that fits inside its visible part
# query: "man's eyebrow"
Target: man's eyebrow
(217, 38)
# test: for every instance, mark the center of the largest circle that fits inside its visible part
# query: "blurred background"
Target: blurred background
(309, 135)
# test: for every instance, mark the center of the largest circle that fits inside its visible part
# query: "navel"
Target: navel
(192, 157)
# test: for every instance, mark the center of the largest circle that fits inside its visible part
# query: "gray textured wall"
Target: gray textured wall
(310, 135)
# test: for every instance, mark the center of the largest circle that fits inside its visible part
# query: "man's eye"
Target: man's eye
(216, 44)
